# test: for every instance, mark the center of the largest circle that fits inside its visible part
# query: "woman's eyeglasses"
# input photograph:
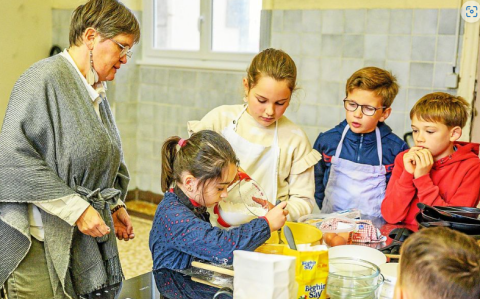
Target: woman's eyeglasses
(125, 49)
(366, 109)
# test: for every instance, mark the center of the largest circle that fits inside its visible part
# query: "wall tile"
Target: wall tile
(413, 95)
(332, 45)
(401, 21)
(312, 21)
(277, 20)
(399, 47)
(329, 93)
(375, 46)
(374, 62)
(349, 66)
(161, 76)
(447, 21)
(421, 74)
(292, 21)
(425, 21)
(441, 71)
(309, 91)
(423, 48)
(147, 93)
(146, 113)
(330, 116)
(311, 44)
(147, 75)
(353, 46)
(309, 69)
(445, 48)
(400, 102)
(276, 40)
(122, 93)
(145, 131)
(355, 20)
(291, 43)
(377, 21)
(308, 115)
(396, 121)
(330, 70)
(332, 21)
(400, 69)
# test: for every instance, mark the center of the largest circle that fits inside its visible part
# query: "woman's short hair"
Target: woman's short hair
(109, 17)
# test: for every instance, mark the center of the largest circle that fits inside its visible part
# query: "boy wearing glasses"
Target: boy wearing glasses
(358, 154)
(438, 170)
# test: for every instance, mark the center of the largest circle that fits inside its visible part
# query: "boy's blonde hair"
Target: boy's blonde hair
(381, 82)
(440, 263)
(441, 107)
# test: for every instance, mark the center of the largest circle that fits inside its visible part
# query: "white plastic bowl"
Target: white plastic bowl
(358, 252)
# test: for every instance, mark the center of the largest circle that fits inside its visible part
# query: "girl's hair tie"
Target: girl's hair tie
(182, 142)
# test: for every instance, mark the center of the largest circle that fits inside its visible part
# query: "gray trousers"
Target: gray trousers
(31, 278)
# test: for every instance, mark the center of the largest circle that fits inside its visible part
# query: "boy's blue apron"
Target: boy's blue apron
(355, 185)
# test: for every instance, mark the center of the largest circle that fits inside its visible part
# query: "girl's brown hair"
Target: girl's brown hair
(205, 155)
(109, 17)
(441, 107)
(275, 64)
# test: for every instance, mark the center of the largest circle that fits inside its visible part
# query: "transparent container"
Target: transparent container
(353, 279)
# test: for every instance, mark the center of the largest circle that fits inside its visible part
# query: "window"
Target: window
(201, 33)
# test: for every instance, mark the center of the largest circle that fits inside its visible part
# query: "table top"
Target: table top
(166, 283)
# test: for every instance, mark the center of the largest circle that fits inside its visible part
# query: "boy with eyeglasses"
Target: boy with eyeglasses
(438, 170)
(358, 154)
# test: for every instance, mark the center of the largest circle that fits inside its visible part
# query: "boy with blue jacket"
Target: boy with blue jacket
(359, 153)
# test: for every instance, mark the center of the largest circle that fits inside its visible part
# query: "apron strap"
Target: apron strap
(340, 144)
(235, 121)
(379, 143)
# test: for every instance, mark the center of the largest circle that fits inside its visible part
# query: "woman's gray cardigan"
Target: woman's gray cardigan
(53, 145)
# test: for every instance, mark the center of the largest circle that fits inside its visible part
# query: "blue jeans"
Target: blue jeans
(31, 279)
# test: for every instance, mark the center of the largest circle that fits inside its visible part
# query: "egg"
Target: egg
(327, 238)
(338, 240)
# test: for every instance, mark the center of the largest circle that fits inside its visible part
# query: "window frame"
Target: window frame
(204, 58)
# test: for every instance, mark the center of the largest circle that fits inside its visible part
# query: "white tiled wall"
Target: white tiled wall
(153, 103)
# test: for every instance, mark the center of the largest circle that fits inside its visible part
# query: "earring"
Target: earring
(92, 75)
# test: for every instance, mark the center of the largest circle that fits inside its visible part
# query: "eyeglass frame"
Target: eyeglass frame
(125, 49)
(358, 105)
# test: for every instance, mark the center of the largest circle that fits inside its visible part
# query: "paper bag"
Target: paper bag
(264, 276)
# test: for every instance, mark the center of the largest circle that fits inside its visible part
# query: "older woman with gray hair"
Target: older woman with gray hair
(62, 174)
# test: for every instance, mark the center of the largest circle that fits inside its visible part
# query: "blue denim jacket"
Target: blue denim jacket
(359, 148)
(181, 232)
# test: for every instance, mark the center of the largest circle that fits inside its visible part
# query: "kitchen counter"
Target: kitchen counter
(171, 284)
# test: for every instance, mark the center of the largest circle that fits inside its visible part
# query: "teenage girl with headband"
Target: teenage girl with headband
(195, 175)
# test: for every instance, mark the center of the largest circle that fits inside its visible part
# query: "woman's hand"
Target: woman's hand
(91, 223)
(123, 225)
(277, 216)
(423, 163)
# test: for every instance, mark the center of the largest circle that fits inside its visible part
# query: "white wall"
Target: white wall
(26, 37)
